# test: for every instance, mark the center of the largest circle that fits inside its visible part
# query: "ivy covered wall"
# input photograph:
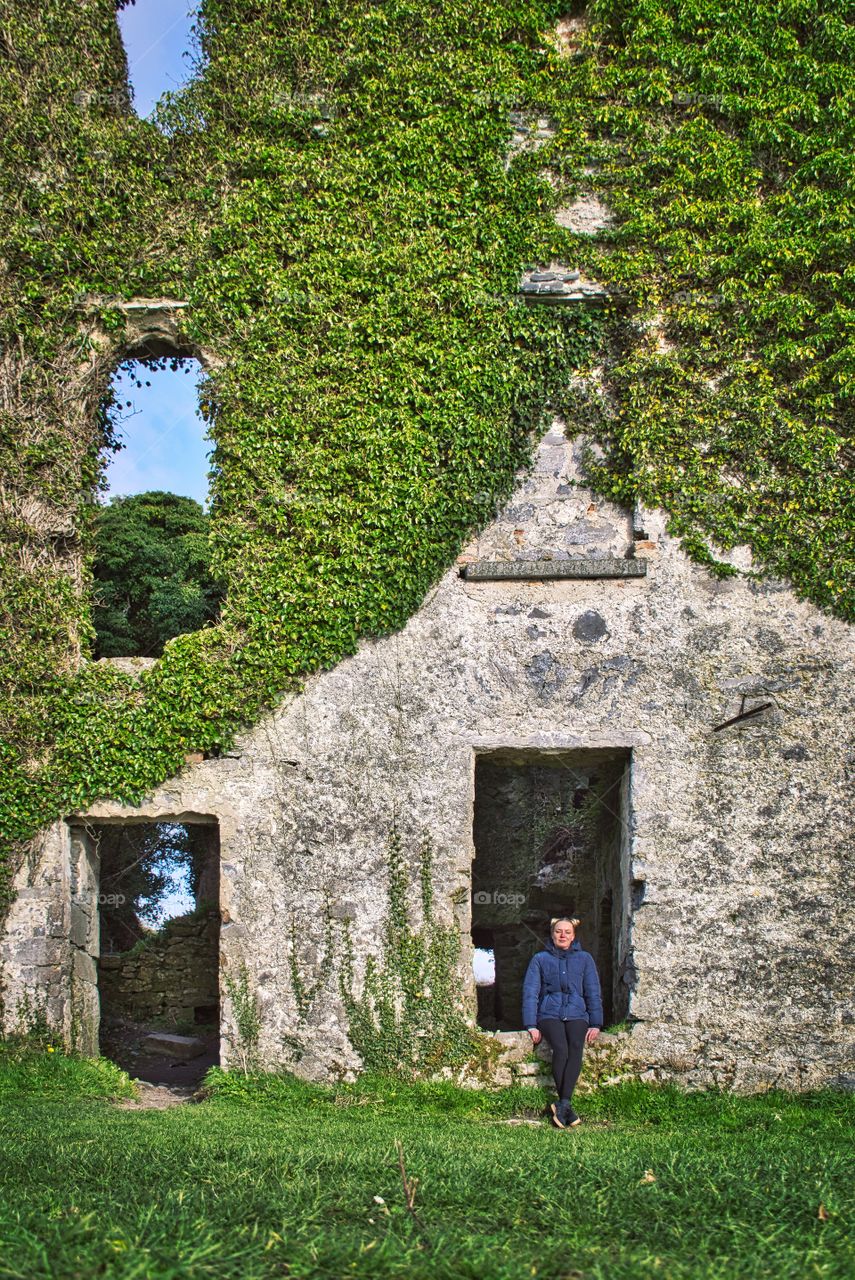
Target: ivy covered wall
(332, 199)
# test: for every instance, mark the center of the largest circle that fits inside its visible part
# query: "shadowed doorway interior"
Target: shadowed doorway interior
(158, 949)
(551, 837)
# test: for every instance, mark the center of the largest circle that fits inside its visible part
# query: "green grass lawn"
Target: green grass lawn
(271, 1177)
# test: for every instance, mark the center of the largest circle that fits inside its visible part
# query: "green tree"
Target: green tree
(139, 864)
(152, 573)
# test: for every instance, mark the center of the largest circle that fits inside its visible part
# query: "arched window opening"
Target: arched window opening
(152, 575)
(160, 47)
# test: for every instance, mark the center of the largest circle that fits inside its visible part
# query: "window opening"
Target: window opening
(152, 574)
(161, 49)
(159, 439)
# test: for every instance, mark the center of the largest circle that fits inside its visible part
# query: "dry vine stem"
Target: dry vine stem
(410, 1185)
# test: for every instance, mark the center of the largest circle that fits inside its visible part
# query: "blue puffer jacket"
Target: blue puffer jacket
(562, 982)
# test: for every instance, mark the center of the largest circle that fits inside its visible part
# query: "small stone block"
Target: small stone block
(181, 1047)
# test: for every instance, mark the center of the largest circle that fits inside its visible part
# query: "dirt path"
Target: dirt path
(157, 1097)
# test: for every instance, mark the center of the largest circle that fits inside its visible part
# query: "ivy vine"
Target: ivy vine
(330, 196)
(409, 1019)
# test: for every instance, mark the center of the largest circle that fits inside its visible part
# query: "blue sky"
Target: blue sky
(163, 434)
(177, 900)
(156, 33)
(483, 966)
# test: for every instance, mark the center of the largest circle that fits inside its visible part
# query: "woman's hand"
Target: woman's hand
(536, 1035)
(591, 1034)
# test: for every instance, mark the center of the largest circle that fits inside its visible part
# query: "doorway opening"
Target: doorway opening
(551, 837)
(152, 930)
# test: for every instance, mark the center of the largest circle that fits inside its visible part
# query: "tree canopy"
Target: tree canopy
(139, 865)
(152, 573)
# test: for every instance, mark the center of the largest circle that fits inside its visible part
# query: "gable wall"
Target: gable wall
(739, 961)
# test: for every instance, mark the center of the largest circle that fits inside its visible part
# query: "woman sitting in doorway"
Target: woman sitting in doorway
(561, 1000)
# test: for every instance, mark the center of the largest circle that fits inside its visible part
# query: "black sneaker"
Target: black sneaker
(571, 1119)
(559, 1114)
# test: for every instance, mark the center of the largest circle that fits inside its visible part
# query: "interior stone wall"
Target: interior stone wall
(737, 946)
(172, 977)
(84, 936)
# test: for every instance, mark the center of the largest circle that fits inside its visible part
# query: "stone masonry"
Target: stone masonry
(730, 870)
(170, 978)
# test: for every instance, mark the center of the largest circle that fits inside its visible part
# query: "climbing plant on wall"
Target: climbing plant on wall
(409, 1019)
(721, 137)
(339, 220)
(330, 197)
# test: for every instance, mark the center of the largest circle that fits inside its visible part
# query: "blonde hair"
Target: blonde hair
(574, 920)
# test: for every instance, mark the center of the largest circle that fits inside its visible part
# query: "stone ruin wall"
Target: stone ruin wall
(736, 875)
(172, 978)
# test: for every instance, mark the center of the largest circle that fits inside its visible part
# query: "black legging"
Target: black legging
(568, 1041)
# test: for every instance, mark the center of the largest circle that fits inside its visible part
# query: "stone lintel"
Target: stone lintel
(606, 740)
(579, 567)
(94, 302)
(553, 296)
(116, 813)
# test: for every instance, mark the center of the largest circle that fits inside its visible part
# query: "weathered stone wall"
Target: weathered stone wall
(172, 977)
(735, 895)
(85, 941)
(49, 950)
